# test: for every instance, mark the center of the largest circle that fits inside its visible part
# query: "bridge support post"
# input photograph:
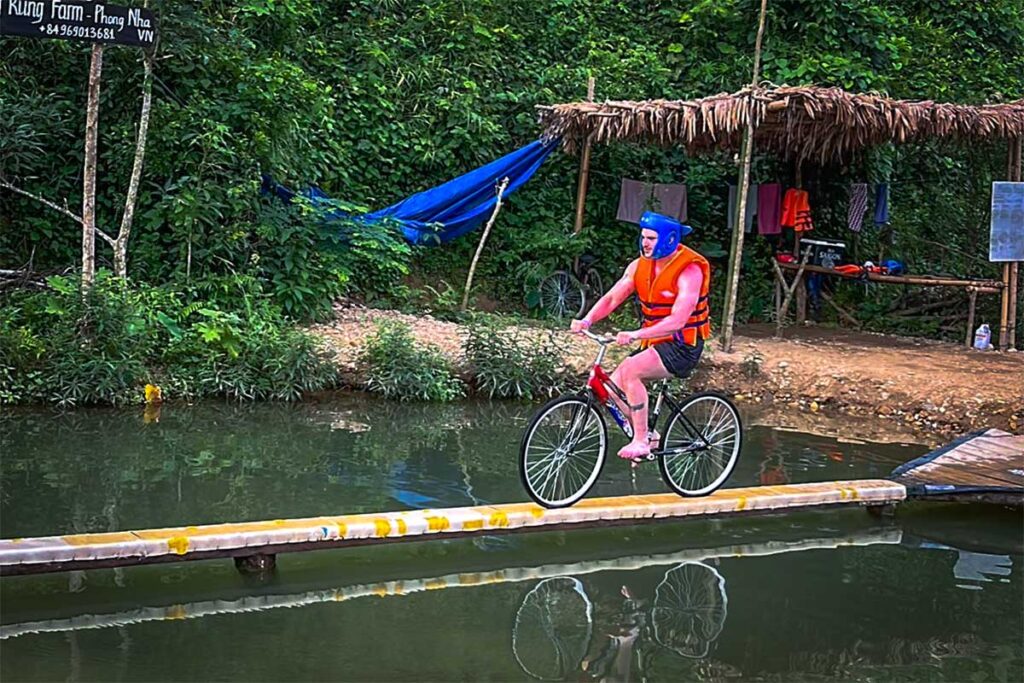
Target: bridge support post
(256, 565)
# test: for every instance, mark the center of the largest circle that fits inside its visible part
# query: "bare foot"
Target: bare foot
(635, 450)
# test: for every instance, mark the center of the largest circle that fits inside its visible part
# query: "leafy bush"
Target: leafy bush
(511, 363)
(60, 346)
(400, 367)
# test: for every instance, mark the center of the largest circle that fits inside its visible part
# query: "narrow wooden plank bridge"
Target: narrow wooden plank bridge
(986, 466)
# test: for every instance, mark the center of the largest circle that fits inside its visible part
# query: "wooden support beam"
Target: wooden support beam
(581, 189)
(972, 296)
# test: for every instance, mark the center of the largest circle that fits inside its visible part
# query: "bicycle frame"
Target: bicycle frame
(601, 387)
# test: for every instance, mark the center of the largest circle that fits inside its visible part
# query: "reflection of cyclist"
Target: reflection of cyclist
(672, 283)
(615, 660)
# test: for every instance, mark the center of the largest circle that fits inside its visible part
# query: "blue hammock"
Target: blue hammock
(448, 211)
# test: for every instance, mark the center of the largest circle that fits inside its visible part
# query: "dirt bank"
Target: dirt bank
(924, 389)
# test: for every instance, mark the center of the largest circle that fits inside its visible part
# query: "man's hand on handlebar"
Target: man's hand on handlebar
(578, 326)
(625, 338)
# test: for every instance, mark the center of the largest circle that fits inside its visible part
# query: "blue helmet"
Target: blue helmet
(669, 230)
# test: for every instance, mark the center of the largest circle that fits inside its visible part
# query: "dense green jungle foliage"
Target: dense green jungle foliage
(59, 347)
(376, 99)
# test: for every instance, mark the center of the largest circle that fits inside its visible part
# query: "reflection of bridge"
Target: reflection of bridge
(193, 610)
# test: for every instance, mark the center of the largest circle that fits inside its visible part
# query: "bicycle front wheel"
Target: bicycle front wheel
(701, 445)
(563, 451)
(561, 295)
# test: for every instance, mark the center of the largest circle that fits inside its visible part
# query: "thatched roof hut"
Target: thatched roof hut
(807, 123)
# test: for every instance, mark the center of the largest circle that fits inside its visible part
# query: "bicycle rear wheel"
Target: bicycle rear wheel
(593, 285)
(563, 451)
(562, 295)
(701, 445)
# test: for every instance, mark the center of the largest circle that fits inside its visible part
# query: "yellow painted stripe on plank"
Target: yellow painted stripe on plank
(383, 527)
(97, 539)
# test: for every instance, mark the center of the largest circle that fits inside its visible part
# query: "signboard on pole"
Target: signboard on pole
(1006, 241)
(87, 20)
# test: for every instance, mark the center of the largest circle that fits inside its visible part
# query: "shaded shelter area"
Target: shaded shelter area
(806, 124)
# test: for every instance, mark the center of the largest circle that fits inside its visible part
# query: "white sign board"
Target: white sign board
(1006, 240)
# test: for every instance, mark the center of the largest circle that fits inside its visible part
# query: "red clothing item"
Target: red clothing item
(796, 210)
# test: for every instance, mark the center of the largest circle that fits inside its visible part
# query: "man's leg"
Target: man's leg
(630, 376)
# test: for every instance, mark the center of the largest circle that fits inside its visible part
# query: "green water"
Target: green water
(936, 594)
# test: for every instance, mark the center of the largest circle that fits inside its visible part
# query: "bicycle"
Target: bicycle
(565, 444)
(565, 293)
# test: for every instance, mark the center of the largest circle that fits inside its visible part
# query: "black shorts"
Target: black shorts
(679, 358)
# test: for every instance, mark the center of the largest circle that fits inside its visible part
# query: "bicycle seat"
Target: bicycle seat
(587, 260)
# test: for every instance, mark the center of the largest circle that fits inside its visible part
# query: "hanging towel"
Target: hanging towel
(748, 219)
(796, 211)
(858, 206)
(634, 197)
(769, 209)
(881, 204)
(671, 201)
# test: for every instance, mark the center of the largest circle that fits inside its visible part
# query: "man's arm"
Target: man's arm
(619, 292)
(689, 284)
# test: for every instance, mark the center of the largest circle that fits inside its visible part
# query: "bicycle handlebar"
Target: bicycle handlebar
(603, 341)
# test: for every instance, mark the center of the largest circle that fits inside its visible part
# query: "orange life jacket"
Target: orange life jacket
(658, 294)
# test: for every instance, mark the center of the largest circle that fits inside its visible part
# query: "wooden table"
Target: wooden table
(782, 301)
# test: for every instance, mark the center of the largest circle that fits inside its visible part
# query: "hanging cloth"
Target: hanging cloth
(858, 206)
(769, 209)
(670, 200)
(636, 197)
(881, 204)
(748, 217)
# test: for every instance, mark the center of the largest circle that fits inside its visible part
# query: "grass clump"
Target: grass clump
(401, 368)
(508, 363)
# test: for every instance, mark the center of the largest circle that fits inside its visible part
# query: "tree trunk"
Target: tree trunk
(92, 117)
(121, 244)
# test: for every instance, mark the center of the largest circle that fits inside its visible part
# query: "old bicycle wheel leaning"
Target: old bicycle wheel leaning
(553, 628)
(562, 451)
(562, 295)
(689, 610)
(701, 444)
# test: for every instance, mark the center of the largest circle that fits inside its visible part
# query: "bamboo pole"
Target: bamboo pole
(92, 117)
(1006, 317)
(483, 239)
(581, 189)
(747, 145)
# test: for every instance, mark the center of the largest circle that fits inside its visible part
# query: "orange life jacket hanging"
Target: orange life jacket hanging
(658, 294)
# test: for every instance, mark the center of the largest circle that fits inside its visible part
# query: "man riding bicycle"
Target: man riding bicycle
(672, 283)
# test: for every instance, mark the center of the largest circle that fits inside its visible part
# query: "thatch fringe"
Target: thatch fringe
(809, 123)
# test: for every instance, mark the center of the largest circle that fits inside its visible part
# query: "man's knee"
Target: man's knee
(625, 372)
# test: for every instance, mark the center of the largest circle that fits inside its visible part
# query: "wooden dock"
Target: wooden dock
(880, 535)
(986, 466)
(125, 548)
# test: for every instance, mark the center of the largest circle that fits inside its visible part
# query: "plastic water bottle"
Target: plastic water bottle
(982, 337)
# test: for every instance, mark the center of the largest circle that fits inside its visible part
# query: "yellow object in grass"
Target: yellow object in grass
(153, 394)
